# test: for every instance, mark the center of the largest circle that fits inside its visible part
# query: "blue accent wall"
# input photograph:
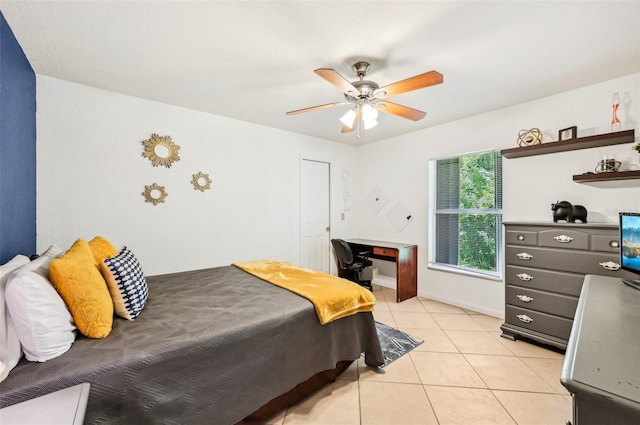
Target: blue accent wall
(17, 148)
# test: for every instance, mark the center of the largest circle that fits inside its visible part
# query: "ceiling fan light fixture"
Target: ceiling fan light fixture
(369, 123)
(369, 112)
(348, 118)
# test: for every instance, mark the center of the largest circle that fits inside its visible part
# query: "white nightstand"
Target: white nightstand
(64, 407)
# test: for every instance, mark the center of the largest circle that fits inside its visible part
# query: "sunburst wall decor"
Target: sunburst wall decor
(161, 150)
(201, 181)
(154, 194)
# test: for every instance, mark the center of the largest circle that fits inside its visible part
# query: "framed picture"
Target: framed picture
(568, 133)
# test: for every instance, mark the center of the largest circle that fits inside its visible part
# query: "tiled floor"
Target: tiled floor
(463, 373)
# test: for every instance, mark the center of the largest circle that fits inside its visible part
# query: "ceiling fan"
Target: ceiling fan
(367, 97)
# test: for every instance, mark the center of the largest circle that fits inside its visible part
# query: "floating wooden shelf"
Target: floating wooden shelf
(616, 138)
(620, 175)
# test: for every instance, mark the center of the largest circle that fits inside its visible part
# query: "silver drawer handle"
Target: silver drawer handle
(524, 318)
(524, 298)
(524, 276)
(563, 238)
(610, 265)
(524, 256)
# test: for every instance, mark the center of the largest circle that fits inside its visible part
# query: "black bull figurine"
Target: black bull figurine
(570, 213)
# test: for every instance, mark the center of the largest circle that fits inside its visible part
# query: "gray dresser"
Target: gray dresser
(600, 367)
(545, 265)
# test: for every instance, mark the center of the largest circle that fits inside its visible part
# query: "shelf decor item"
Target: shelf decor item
(568, 133)
(161, 150)
(616, 125)
(529, 137)
(608, 165)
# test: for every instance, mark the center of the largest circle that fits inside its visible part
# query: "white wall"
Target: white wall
(91, 173)
(399, 166)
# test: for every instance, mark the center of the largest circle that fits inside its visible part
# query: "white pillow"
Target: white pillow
(40, 317)
(10, 351)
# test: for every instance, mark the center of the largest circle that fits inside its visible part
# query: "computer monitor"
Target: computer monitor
(630, 246)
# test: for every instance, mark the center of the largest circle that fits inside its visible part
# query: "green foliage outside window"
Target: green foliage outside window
(478, 236)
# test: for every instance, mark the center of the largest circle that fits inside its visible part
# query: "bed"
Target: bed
(214, 346)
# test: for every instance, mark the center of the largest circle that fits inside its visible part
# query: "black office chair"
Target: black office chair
(357, 268)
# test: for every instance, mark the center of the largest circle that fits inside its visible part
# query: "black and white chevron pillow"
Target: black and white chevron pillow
(126, 282)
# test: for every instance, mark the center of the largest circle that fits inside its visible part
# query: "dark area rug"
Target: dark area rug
(395, 343)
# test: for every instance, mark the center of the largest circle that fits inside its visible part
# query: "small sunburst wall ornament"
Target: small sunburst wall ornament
(154, 194)
(201, 181)
(161, 150)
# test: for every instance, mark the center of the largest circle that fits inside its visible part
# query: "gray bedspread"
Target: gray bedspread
(210, 347)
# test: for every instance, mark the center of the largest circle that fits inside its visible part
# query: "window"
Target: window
(466, 214)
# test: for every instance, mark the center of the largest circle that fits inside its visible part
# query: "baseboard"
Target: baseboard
(390, 282)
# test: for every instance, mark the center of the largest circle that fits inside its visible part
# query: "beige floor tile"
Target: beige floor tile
(526, 349)
(277, 419)
(475, 342)
(410, 305)
(535, 408)
(549, 370)
(445, 369)
(466, 406)
(401, 371)
(381, 305)
(434, 340)
(385, 317)
(390, 294)
(488, 323)
(507, 373)
(378, 292)
(438, 307)
(336, 403)
(414, 320)
(388, 403)
(351, 373)
(470, 311)
(456, 322)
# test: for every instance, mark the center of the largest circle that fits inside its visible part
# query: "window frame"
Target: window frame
(457, 269)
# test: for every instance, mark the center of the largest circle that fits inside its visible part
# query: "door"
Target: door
(314, 215)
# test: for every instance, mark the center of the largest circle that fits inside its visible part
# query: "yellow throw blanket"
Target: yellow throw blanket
(332, 296)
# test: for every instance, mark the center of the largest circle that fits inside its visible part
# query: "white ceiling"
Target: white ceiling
(254, 60)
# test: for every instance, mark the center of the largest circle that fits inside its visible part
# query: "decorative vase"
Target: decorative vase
(616, 125)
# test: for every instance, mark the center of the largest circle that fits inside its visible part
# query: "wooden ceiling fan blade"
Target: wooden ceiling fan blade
(421, 81)
(316, 108)
(332, 76)
(400, 110)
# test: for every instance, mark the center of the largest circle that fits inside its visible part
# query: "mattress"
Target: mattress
(210, 347)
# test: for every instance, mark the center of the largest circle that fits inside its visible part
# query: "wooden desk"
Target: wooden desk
(406, 259)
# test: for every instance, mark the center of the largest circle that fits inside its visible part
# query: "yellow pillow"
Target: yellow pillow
(84, 291)
(101, 249)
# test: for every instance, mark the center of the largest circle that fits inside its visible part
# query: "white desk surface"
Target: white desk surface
(64, 407)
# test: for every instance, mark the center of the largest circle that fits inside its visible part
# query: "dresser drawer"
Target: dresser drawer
(545, 280)
(583, 262)
(387, 252)
(546, 302)
(605, 243)
(521, 237)
(559, 327)
(564, 239)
